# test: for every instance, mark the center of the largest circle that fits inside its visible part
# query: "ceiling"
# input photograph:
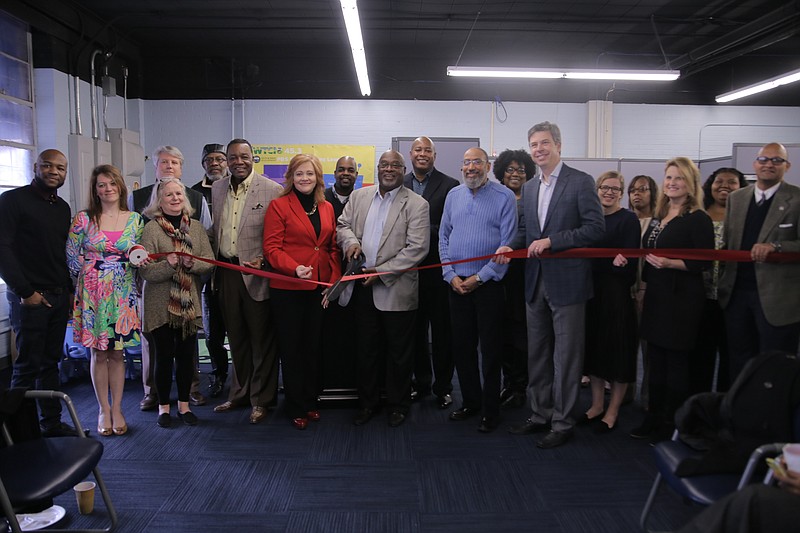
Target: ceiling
(297, 49)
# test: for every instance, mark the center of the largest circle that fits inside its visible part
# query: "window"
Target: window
(17, 111)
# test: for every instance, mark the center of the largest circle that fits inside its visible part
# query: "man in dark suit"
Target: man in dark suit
(434, 306)
(215, 164)
(345, 174)
(762, 300)
(561, 210)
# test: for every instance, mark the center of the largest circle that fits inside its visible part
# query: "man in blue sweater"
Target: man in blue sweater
(479, 217)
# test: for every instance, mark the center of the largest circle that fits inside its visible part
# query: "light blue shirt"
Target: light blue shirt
(373, 225)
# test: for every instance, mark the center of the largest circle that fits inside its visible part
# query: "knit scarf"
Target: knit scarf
(181, 310)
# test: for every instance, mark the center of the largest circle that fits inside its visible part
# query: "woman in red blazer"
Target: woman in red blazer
(300, 241)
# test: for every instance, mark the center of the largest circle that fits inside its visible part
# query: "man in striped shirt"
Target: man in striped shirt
(479, 217)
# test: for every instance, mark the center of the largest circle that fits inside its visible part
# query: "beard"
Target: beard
(474, 182)
(216, 175)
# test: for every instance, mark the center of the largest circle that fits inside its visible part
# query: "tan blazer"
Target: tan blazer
(778, 283)
(404, 244)
(251, 226)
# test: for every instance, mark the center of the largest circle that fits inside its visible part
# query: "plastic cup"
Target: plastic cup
(791, 455)
(84, 493)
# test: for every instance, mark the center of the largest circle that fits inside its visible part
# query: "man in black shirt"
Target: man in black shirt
(33, 262)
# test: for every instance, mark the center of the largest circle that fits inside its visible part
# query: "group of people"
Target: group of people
(434, 290)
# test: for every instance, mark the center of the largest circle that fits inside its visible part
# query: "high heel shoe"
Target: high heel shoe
(300, 423)
(101, 430)
(314, 416)
(121, 430)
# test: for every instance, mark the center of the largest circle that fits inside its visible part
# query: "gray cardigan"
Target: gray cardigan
(159, 273)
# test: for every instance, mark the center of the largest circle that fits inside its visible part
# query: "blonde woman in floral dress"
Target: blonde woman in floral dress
(105, 315)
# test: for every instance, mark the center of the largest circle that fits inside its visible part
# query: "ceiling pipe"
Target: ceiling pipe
(771, 28)
(92, 96)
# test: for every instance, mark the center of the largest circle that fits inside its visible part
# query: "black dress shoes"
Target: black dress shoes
(444, 401)
(164, 420)
(215, 389)
(463, 413)
(364, 416)
(59, 430)
(488, 424)
(528, 427)
(554, 439)
(514, 400)
(197, 399)
(396, 418)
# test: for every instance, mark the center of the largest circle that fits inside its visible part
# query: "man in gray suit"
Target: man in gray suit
(389, 225)
(761, 299)
(561, 210)
(239, 203)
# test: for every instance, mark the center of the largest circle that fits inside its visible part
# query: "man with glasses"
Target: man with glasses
(240, 203)
(215, 164)
(561, 211)
(389, 226)
(479, 217)
(434, 309)
(762, 299)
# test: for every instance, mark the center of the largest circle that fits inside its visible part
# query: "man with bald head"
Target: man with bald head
(33, 263)
(433, 369)
(762, 299)
(388, 225)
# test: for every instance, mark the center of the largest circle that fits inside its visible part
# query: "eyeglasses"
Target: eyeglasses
(514, 170)
(642, 189)
(607, 188)
(476, 162)
(383, 165)
(775, 160)
(210, 160)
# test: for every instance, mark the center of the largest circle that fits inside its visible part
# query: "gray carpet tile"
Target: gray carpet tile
(336, 442)
(348, 522)
(234, 487)
(476, 486)
(518, 522)
(387, 487)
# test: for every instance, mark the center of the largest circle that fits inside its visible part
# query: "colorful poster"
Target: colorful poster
(272, 160)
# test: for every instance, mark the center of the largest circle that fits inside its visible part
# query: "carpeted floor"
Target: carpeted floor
(428, 475)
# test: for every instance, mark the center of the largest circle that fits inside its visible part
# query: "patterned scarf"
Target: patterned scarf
(181, 310)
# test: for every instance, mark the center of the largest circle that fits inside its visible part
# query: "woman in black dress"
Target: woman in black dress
(611, 338)
(674, 293)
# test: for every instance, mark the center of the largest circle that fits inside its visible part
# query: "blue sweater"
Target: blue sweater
(474, 225)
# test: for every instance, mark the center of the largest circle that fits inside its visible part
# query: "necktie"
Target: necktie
(761, 199)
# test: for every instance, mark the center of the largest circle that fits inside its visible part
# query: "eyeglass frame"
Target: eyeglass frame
(762, 159)
(476, 162)
(606, 188)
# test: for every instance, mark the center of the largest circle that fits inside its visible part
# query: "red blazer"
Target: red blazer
(290, 240)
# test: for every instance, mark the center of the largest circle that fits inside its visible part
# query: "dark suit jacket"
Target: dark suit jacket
(777, 282)
(439, 185)
(290, 240)
(574, 220)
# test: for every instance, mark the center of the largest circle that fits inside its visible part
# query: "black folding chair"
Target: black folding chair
(35, 471)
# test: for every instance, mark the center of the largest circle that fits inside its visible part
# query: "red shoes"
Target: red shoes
(314, 416)
(300, 423)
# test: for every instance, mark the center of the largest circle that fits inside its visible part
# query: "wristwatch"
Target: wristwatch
(479, 280)
(777, 246)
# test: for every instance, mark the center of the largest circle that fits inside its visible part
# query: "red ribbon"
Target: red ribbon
(692, 254)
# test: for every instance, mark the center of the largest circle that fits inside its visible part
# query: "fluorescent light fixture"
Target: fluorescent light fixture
(766, 85)
(353, 25)
(575, 74)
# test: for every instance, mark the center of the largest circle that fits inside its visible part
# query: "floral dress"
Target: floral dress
(105, 315)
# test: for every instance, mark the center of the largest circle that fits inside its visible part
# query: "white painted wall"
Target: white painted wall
(639, 131)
